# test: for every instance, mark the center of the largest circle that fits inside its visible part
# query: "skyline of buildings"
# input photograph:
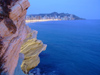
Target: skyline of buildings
(39, 17)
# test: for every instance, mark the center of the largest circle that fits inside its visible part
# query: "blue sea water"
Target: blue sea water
(73, 47)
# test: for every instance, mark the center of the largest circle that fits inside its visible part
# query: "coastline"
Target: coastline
(43, 20)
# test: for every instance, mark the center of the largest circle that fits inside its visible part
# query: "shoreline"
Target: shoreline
(34, 21)
(43, 20)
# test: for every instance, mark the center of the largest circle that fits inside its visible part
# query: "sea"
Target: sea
(73, 47)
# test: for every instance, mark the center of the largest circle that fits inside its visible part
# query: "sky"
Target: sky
(89, 9)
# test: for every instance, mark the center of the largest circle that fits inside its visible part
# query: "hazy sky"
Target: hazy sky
(89, 9)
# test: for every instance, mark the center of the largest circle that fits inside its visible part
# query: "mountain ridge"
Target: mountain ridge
(63, 16)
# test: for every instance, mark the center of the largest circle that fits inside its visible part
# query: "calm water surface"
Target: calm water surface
(73, 47)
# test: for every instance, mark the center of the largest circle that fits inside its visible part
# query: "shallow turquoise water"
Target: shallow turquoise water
(73, 47)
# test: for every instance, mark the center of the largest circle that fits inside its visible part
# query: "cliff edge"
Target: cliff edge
(16, 37)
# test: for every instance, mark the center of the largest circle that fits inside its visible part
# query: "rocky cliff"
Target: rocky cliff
(16, 37)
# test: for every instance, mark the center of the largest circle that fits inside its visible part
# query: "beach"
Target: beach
(42, 20)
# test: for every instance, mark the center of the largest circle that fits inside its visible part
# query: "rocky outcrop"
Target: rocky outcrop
(31, 48)
(20, 39)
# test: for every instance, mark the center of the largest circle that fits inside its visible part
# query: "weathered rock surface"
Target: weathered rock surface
(12, 43)
(31, 48)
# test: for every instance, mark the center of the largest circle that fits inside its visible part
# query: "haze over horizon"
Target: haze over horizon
(89, 9)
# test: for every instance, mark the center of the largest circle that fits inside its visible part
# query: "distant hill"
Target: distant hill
(55, 15)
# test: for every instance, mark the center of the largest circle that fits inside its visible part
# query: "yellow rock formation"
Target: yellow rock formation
(31, 49)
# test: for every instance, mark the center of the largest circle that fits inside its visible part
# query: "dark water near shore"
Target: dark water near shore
(73, 47)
